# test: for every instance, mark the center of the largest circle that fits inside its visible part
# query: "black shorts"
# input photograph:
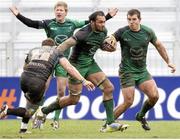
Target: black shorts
(33, 87)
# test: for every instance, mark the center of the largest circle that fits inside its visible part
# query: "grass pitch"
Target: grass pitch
(89, 129)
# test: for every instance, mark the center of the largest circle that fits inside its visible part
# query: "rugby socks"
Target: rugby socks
(25, 120)
(50, 108)
(57, 113)
(21, 112)
(24, 126)
(109, 111)
(146, 106)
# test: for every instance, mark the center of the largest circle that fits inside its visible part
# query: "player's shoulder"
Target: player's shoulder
(69, 20)
(33, 52)
(34, 49)
(48, 22)
(122, 31)
(146, 28)
(83, 33)
(86, 28)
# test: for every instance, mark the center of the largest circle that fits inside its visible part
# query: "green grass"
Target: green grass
(85, 129)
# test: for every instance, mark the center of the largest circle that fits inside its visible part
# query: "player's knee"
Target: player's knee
(108, 89)
(29, 113)
(128, 103)
(74, 99)
(106, 86)
(74, 92)
(154, 98)
(74, 96)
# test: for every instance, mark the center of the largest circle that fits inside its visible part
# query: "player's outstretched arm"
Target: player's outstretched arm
(30, 23)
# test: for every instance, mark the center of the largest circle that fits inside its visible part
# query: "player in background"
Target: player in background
(39, 65)
(59, 29)
(134, 40)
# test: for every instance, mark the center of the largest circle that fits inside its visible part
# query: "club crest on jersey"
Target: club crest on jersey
(60, 38)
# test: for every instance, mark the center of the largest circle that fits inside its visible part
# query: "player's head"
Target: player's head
(97, 20)
(48, 42)
(60, 10)
(134, 19)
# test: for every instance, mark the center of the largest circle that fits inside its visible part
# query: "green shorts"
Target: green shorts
(133, 79)
(60, 71)
(85, 71)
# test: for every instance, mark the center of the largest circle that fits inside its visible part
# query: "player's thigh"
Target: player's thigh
(48, 83)
(61, 85)
(149, 88)
(74, 85)
(99, 78)
(33, 87)
(82, 70)
(96, 75)
(128, 94)
(103, 83)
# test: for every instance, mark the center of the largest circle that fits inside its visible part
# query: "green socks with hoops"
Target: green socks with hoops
(109, 111)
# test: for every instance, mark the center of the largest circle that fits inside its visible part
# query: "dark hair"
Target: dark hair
(94, 15)
(134, 12)
(48, 42)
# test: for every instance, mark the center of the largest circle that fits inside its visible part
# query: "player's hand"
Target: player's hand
(173, 67)
(112, 11)
(108, 47)
(14, 10)
(89, 85)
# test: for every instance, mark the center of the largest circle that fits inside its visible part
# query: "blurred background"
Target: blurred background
(163, 16)
(16, 39)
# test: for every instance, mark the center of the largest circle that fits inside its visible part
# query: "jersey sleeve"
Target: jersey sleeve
(38, 24)
(79, 23)
(29, 22)
(153, 36)
(59, 53)
(117, 34)
(79, 35)
(44, 23)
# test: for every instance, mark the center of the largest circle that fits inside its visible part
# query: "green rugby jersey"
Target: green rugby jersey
(59, 32)
(134, 46)
(88, 41)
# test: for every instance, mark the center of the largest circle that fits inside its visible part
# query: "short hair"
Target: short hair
(134, 12)
(61, 3)
(48, 42)
(94, 15)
